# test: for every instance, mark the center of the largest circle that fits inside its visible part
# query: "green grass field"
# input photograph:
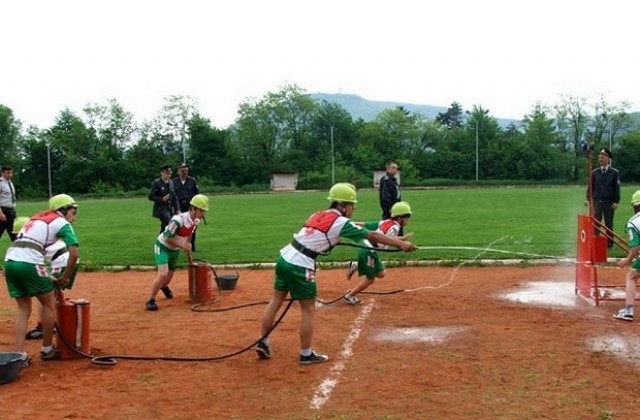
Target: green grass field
(251, 228)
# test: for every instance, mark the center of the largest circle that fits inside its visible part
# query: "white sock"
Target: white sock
(46, 349)
(305, 352)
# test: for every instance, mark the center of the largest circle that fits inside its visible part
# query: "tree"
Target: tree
(9, 136)
(453, 117)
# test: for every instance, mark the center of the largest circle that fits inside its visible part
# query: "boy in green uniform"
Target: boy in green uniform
(633, 229)
(295, 272)
(369, 264)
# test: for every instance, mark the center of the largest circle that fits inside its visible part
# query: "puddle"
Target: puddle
(550, 293)
(626, 348)
(430, 335)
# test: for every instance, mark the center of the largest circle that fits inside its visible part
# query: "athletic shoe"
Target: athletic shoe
(54, 354)
(263, 350)
(35, 334)
(26, 361)
(313, 358)
(351, 269)
(624, 315)
(151, 305)
(352, 300)
(167, 292)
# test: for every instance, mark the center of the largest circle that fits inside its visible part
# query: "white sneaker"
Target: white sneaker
(352, 300)
(351, 269)
(624, 315)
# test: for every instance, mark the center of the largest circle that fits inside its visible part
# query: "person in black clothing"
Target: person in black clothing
(605, 182)
(185, 187)
(7, 203)
(165, 203)
(389, 190)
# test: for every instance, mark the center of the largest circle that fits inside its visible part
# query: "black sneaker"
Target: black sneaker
(167, 292)
(352, 300)
(54, 354)
(151, 305)
(313, 358)
(263, 350)
(34, 334)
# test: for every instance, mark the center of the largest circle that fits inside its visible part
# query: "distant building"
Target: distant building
(284, 181)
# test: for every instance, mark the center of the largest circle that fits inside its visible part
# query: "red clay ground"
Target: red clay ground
(457, 352)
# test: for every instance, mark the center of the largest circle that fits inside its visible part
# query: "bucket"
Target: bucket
(227, 281)
(200, 282)
(10, 366)
(73, 326)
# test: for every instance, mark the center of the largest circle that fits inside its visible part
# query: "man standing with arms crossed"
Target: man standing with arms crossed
(605, 182)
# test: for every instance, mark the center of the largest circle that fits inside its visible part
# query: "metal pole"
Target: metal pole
(476, 149)
(333, 164)
(609, 137)
(49, 168)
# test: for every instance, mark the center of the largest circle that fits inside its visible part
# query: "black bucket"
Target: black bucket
(10, 366)
(227, 281)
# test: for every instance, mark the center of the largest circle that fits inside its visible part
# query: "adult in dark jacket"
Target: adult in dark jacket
(185, 187)
(605, 181)
(389, 190)
(165, 203)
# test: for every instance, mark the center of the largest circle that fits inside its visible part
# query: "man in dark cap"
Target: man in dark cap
(185, 187)
(165, 204)
(605, 181)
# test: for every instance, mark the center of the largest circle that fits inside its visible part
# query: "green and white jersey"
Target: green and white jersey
(180, 229)
(321, 232)
(633, 230)
(39, 233)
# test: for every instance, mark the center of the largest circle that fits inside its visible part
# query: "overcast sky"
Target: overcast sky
(504, 55)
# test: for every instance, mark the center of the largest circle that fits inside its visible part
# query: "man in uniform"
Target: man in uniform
(186, 187)
(165, 204)
(605, 182)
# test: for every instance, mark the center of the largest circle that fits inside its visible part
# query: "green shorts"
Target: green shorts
(27, 279)
(57, 273)
(369, 264)
(163, 255)
(299, 281)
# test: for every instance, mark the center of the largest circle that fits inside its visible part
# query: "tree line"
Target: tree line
(104, 151)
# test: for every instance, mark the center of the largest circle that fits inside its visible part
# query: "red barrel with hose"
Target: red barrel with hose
(73, 327)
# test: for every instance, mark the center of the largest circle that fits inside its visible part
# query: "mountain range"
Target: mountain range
(359, 107)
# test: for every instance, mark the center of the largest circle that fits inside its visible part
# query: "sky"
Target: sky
(503, 55)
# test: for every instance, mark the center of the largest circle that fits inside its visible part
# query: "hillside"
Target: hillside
(359, 107)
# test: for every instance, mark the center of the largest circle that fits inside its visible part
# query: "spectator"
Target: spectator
(7, 203)
(185, 187)
(389, 190)
(165, 204)
(605, 196)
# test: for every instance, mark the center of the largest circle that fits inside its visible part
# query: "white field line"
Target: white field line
(323, 392)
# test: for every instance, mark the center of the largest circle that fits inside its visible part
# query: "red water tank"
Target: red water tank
(200, 282)
(73, 327)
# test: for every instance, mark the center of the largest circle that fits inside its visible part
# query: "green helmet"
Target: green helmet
(401, 208)
(200, 201)
(18, 223)
(60, 201)
(343, 192)
(635, 198)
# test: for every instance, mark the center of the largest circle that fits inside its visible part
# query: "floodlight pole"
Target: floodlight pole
(49, 168)
(477, 147)
(333, 163)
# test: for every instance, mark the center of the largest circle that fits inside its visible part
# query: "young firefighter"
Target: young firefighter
(57, 256)
(176, 236)
(633, 229)
(295, 271)
(369, 264)
(27, 276)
